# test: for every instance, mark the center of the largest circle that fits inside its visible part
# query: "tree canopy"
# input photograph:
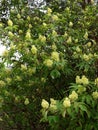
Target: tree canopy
(49, 70)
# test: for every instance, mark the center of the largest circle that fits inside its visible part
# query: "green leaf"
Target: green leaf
(55, 74)
(53, 119)
(84, 108)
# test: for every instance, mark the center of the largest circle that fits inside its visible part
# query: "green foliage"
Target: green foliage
(45, 52)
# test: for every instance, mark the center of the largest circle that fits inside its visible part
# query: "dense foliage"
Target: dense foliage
(49, 70)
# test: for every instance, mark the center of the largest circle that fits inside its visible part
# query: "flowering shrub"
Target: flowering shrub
(45, 52)
(75, 111)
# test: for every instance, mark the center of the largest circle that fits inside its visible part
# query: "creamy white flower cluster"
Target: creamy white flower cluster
(54, 107)
(84, 80)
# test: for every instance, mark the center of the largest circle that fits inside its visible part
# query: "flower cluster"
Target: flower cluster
(73, 96)
(44, 104)
(48, 62)
(84, 80)
(10, 23)
(67, 102)
(33, 49)
(95, 95)
(55, 56)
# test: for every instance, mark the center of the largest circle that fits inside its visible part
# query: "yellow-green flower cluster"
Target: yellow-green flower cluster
(8, 80)
(42, 38)
(26, 102)
(54, 47)
(23, 67)
(5, 53)
(18, 16)
(95, 95)
(70, 24)
(73, 96)
(53, 105)
(28, 18)
(65, 34)
(48, 62)
(54, 33)
(84, 80)
(32, 70)
(1, 25)
(28, 35)
(10, 23)
(55, 56)
(78, 49)
(87, 57)
(49, 11)
(89, 44)
(96, 81)
(44, 104)
(33, 49)
(54, 17)
(67, 102)
(10, 34)
(2, 83)
(86, 35)
(69, 40)
(44, 24)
